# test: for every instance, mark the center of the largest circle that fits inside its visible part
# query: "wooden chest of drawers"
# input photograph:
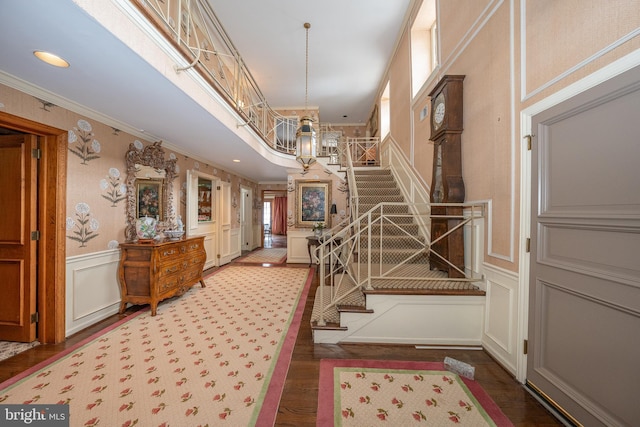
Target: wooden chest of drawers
(150, 273)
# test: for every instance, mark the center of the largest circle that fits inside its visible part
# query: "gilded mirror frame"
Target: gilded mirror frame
(159, 172)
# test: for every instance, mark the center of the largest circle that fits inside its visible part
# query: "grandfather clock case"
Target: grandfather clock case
(447, 185)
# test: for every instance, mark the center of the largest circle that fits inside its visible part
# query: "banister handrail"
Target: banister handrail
(332, 253)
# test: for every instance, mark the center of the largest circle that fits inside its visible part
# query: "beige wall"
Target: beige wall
(508, 66)
(94, 194)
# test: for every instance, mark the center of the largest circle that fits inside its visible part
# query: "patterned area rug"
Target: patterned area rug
(267, 255)
(215, 354)
(399, 393)
(10, 348)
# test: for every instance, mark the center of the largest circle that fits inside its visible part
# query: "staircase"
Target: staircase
(384, 276)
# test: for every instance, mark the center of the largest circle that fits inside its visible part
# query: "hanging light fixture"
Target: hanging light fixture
(306, 134)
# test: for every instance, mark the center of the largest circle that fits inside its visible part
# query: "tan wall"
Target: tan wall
(563, 41)
(93, 181)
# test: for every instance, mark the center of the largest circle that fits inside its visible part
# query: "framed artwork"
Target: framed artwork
(373, 121)
(313, 200)
(149, 198)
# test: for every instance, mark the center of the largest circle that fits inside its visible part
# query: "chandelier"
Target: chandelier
(306, 134)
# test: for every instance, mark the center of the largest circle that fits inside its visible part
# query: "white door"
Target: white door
(224, 227)
(584, 284)
(202, 217)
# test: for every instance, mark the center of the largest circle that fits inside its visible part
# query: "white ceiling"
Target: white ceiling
(350, 43)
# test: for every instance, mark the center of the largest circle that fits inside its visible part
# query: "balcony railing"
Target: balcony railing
(194, 30)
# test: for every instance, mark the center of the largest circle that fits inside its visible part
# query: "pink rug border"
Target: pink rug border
(270, 405)
(325, 411)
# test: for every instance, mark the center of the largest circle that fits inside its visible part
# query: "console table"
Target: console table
(151, 272)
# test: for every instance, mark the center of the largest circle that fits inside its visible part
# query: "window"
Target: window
(424, 45)
(385, 113)
(285, 133)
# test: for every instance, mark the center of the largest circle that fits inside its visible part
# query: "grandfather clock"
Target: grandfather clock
(447, 185)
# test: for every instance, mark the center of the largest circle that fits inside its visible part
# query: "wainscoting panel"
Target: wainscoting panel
(501, 316)
(236, 243)
(297, 251)
(92, 289)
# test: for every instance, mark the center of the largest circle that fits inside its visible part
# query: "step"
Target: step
(387, 209)
(376, 183)
(371, 171)
(393, 241)
(395, 229)
(378, 198)
(378, 191)
(394, 256)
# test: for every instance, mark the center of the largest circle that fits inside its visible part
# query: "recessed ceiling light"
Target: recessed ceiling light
(51, 59)
(236, 161)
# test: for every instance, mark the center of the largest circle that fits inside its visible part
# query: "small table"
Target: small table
(316, 241)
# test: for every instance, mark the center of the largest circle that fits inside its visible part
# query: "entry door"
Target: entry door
(584, 300)
(18, 219)
(224, 215)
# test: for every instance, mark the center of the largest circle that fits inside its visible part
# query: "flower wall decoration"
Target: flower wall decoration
(82, 143)
(113, 190)
(83, 227)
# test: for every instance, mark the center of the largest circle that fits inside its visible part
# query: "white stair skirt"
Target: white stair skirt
(412, 319)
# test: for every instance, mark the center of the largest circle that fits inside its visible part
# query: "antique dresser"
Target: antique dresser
(151, 272)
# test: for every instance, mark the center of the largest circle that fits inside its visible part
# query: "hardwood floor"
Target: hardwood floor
(299, 398)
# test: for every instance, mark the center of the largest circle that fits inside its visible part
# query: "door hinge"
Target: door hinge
(35, 235)
(218, 187)
(528, 245)
(36, 153)
(525, 348)
(528, 138)
(218, 256)
(35, 317)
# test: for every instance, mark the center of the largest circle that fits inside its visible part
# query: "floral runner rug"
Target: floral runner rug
(267, 255)
(401, 393)
(213, 356)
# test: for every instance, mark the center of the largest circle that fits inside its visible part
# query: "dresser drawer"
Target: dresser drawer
(173, 251)
(168, 268)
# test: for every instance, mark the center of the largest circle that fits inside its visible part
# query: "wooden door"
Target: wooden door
(584, 284)
(18, 219)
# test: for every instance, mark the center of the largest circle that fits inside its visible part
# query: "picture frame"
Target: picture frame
(373, 121)
(149, 198)
(313, 200)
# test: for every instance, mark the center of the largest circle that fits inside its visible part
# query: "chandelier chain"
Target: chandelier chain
(306, 71)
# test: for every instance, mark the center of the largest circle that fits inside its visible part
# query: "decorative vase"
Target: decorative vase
(146, 228)
(317, 232)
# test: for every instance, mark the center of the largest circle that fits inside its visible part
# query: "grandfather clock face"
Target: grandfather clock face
(439, 111)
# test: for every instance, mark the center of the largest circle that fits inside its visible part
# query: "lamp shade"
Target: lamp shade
(306, 143)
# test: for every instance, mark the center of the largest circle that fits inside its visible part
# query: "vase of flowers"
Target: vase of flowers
(146, 228)
(318, 228)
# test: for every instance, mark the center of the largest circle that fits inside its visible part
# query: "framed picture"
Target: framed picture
(373, 121)
(149, 195)
(313, 199)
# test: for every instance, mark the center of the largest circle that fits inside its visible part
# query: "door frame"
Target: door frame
(608, 72)
(52, 205)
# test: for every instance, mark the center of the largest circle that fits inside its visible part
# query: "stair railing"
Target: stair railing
(360, 254)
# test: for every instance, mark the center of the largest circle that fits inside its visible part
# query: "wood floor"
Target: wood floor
(299, 399)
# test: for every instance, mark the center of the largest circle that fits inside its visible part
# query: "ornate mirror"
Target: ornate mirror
(149, 184)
